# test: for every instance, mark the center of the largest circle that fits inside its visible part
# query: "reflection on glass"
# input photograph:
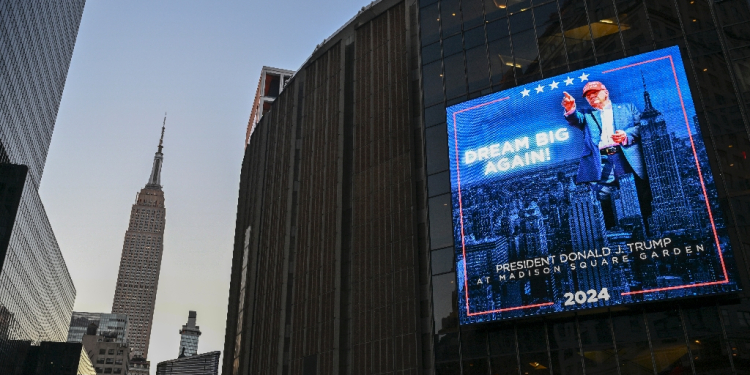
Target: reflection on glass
(632, 345)
(566, 362)
(477, 69)
(441, 227)
(473, 343)
(444, 301)
(534, 363)
(472, 12)
(668, 342)
(455, 76)
(450, 16)
(432, 83)
(532, 338)
(494, 9)
(475, 367)
(452, 45)
(598, 347)
(429, 24)
(439, 183)
(442, 261)
(502, 342)
(447, 368)
(705, 339)
(504, 365)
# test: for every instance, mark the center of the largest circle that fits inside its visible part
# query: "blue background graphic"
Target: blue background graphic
(537, 211)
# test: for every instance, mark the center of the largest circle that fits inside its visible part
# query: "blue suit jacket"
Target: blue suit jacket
(626, 118)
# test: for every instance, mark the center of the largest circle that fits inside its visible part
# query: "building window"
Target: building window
(102, 351)
(117, 371)
(100, 361)
(111, 351)
(108, 370)
(99, 370)
(110, 361)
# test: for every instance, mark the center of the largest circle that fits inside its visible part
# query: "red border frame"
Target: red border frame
(700, 175)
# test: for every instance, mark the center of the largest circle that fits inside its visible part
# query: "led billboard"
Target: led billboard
(588, 189)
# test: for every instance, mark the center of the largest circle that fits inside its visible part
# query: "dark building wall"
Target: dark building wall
(471, 48)
(12, 179)
(325, 271)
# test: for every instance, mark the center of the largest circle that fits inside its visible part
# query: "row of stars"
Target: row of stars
(568, 81)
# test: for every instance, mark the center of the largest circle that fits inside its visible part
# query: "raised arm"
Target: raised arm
(574, 117)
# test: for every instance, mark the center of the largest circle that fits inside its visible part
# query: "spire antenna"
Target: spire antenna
(154, 181)
(163, 125)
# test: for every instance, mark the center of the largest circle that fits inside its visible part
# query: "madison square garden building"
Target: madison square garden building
(502, 187)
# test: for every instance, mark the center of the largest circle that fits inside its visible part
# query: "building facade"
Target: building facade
(138, 278)
(199, 364)
(36, 291)
(98, 324)
(344, 258)
(189, 335)
(107, 354)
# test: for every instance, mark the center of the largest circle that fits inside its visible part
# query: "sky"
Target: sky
(199, 61)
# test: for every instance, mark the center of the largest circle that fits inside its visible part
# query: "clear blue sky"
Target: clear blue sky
(199, 61)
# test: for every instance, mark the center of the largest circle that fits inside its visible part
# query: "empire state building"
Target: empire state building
(141, 259)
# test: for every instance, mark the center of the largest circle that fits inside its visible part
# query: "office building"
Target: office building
(98, 324)
(107, 354)
(36, 291)
(138, 278)
(270, 85)
(199, 364)
(347, 254)
(189, 335)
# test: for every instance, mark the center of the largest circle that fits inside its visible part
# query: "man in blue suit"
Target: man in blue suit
(612, 146)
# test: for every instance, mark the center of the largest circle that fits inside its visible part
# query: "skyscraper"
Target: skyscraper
(669, 203)
(36, 292)
(189, 337)
(586, 219)
(140, 263)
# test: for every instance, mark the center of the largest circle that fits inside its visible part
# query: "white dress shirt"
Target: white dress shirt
(608, 127)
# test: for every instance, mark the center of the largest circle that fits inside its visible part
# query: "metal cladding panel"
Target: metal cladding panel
(325, 244)
(384, 312)
(314, 284)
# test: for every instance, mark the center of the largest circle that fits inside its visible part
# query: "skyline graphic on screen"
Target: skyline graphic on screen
(609, 200)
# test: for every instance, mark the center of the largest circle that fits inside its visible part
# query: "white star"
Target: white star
(539, 89)
(525, 92)
(553, 85)
(568, 81)
(584, 77)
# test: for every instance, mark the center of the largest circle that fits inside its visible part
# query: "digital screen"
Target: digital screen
(589, 189)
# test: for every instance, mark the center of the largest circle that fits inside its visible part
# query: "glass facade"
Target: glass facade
(113, 326)
(470, 48)
(36, 292)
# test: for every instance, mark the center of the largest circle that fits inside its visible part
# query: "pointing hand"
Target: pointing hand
(569, 103)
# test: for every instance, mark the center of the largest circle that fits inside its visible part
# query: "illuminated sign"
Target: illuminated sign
(585, 190)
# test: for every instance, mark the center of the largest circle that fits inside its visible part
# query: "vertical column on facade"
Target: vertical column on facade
(289, 274)
(347, 166)
(258, 174)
